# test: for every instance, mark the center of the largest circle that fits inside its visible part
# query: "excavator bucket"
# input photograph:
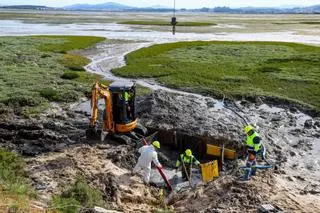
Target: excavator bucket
(93, 133)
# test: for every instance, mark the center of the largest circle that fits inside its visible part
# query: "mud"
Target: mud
(291, 137)
(51, 132)
(57, 152)
(229, 195)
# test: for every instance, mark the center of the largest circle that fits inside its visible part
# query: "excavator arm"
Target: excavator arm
(100, 90)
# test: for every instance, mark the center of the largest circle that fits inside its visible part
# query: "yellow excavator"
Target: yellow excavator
(119, 113)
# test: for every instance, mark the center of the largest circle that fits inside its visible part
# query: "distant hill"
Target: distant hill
(103, 6)
(112, 6)
(267, 10)
(159, 7)
(28, 7)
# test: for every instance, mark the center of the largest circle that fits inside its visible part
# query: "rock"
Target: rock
(102, 210)
(308, 124)
(317, 122)
(258, 100)
(276, 118)
(292, 153)
(293, 109)
(210, 104)
(300, 178)
(290, 178)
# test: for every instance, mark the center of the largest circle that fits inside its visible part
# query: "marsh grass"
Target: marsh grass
(70, 75)
(236, 69)
(15, 192)
(311, 22)
(79, 195)
(38, 69)
(74, 62)
(63, 44)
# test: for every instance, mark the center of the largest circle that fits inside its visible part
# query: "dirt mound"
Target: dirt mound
(196, 115)
(53, 172)
(227, 194)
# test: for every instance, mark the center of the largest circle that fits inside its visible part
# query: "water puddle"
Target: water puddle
(175, 179)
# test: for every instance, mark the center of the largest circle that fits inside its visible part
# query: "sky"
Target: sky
(169, 3)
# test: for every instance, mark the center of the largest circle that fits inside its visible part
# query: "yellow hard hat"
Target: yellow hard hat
(248, 129)
(156, 144)
(189, 152)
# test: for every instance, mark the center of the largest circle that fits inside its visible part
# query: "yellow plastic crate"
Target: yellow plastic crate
(209, 170)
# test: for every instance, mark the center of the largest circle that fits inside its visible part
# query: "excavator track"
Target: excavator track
(122, 138)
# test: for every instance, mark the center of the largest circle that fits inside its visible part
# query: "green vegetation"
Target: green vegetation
(15, 192)
(70, 75)
(141, 91)
(235, 69)
(80, 195)
(36, 70)
(311, 22)
(67, 43)
(167, 23)
(74, 62)
(12, 173)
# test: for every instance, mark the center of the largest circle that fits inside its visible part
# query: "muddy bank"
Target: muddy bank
(57, 152)
(291, 137)
(51, 131)
(229, 195)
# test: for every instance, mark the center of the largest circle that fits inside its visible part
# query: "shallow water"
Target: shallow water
(117, 31)
(174, 178)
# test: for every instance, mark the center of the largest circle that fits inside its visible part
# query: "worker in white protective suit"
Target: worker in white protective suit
(147, 155)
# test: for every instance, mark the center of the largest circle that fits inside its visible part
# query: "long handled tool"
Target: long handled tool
(186, 172)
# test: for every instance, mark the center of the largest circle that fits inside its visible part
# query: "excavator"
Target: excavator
(119, 115)
(119, 118)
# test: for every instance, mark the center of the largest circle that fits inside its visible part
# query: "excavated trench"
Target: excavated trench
(180, 141)
(174, 142)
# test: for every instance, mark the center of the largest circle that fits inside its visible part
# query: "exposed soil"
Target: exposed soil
(57, 152)
(292, 139)
(102, 167)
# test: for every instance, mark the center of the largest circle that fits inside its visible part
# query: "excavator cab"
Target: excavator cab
(123, 101)
(119, 114)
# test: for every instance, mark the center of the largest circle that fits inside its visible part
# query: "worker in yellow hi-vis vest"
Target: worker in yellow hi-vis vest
(254, 144)
(187, 159)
